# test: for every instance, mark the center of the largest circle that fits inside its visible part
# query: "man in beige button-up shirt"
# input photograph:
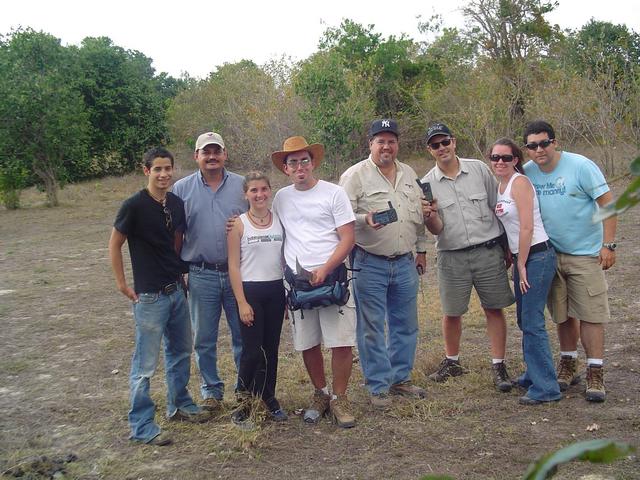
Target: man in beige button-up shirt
(469, 250)
(386, 282)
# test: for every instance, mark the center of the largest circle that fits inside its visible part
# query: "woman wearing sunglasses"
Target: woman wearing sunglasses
(255, 272)
(533, 271)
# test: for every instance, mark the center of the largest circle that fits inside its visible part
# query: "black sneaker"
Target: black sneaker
(501, 377)
(448, 368)
(278, 415)
(241, 418)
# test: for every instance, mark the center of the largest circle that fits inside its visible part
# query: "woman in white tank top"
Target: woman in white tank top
(255, 271)
(533, 269)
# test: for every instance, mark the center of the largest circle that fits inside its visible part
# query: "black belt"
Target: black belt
(169, 289)
(488, 244)
(538, 247)
(218, 267)
(384, 257)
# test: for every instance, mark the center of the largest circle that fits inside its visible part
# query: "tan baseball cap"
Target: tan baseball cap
(208, 139)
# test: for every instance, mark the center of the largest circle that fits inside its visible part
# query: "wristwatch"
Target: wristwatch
(610, 245)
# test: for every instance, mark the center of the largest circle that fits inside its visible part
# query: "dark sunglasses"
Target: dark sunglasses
(436, 145)
(504, 158)
(543, 143)
(167, 217)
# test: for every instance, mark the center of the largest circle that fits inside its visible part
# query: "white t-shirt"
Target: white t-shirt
(260, 251)
(507, 212)
(310, 219)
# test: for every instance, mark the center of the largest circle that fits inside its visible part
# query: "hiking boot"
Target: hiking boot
(501, 377)
(595, 384)
(192, 417)
(380, 401)
(407, 389)
(448, 368)
(340, 410)
(567, 372)
(317, 408)
(211, 404)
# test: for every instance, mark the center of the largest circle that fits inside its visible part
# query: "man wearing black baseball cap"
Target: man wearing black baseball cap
(468, 242)
(385, 198)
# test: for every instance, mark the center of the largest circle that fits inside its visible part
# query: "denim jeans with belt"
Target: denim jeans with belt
(209, 292)
(385, 291)
(159, 316)
(540, 375)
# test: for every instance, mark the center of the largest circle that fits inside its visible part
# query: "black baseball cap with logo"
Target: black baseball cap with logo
(437, 129)
(383, 125)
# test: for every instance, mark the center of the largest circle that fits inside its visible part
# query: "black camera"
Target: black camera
(385, 217)
(426, 190)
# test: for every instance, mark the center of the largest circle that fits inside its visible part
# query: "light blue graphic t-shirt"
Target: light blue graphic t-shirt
(567, 203)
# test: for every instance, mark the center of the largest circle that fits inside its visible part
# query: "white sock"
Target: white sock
(325, 390)
(595, 361)
(573, 354)
(497, 360)
(453, 357)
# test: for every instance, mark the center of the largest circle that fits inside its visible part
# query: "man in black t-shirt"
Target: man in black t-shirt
(152, 221)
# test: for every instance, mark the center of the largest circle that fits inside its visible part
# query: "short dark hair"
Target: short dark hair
(253, 176)
(156, 152)
(516, 151)
(538, 126)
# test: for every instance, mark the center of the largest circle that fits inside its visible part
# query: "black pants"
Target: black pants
(259, 361)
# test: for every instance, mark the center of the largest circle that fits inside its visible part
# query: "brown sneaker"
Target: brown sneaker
(595, 384)
(501, 377)
(448, 368)
(407, 389)
(340, 410)
(380, 401)
(211, 404)
(567, 372)
(317, 408)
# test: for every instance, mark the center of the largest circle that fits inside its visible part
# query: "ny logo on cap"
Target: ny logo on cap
(385, 123)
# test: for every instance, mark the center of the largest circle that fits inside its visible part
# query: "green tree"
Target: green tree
(44, 127)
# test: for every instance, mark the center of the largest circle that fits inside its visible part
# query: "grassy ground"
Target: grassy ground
(68, 336)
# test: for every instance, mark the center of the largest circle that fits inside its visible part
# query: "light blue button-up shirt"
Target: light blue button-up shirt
(207, 213)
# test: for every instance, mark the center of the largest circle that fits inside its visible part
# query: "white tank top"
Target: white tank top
(507, 212)
(261, 251)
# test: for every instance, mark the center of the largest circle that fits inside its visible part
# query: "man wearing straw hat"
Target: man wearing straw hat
(319, 234)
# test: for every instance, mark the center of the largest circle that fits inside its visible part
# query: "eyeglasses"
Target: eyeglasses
(543, 143)
(436, 145)
(504, 158)
(167, 217)
(295, 163)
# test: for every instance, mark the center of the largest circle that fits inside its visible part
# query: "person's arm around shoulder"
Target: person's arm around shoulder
(233, 249)
(115, 253)
(346, 233)
(522, 193)
(607, 257)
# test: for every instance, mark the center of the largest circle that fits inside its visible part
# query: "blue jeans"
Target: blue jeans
(540, 375)
(209, 292)
(159, 316)
(385, 291)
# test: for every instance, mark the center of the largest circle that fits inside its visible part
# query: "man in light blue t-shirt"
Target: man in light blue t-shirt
(570, 189)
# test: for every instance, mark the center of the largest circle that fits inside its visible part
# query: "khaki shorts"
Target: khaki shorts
(324, 325)
(482, 268)
(579, 290)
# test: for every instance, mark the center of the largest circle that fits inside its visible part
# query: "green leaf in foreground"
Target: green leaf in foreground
(595, 451)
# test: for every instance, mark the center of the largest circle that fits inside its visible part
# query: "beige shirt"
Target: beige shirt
(465, 204)
(369, 190)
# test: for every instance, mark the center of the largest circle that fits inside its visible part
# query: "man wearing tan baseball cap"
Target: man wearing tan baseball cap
(319, 234)
(211, 196)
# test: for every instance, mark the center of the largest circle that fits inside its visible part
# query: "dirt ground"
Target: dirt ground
(68, 336)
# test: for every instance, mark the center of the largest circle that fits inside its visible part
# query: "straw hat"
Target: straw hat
(297, 144)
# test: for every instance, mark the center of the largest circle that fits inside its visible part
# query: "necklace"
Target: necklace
(161, 201)
(260, 220)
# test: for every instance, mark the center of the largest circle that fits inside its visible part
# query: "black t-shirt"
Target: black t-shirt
(151, 241)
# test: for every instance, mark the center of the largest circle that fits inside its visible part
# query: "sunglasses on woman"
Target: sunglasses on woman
(505, 158)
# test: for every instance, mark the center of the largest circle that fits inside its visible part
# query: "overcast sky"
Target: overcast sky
(195, 36)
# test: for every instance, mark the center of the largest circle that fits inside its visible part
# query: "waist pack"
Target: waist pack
(303, 295)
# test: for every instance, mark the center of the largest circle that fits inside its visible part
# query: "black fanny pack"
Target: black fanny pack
(303, 295)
